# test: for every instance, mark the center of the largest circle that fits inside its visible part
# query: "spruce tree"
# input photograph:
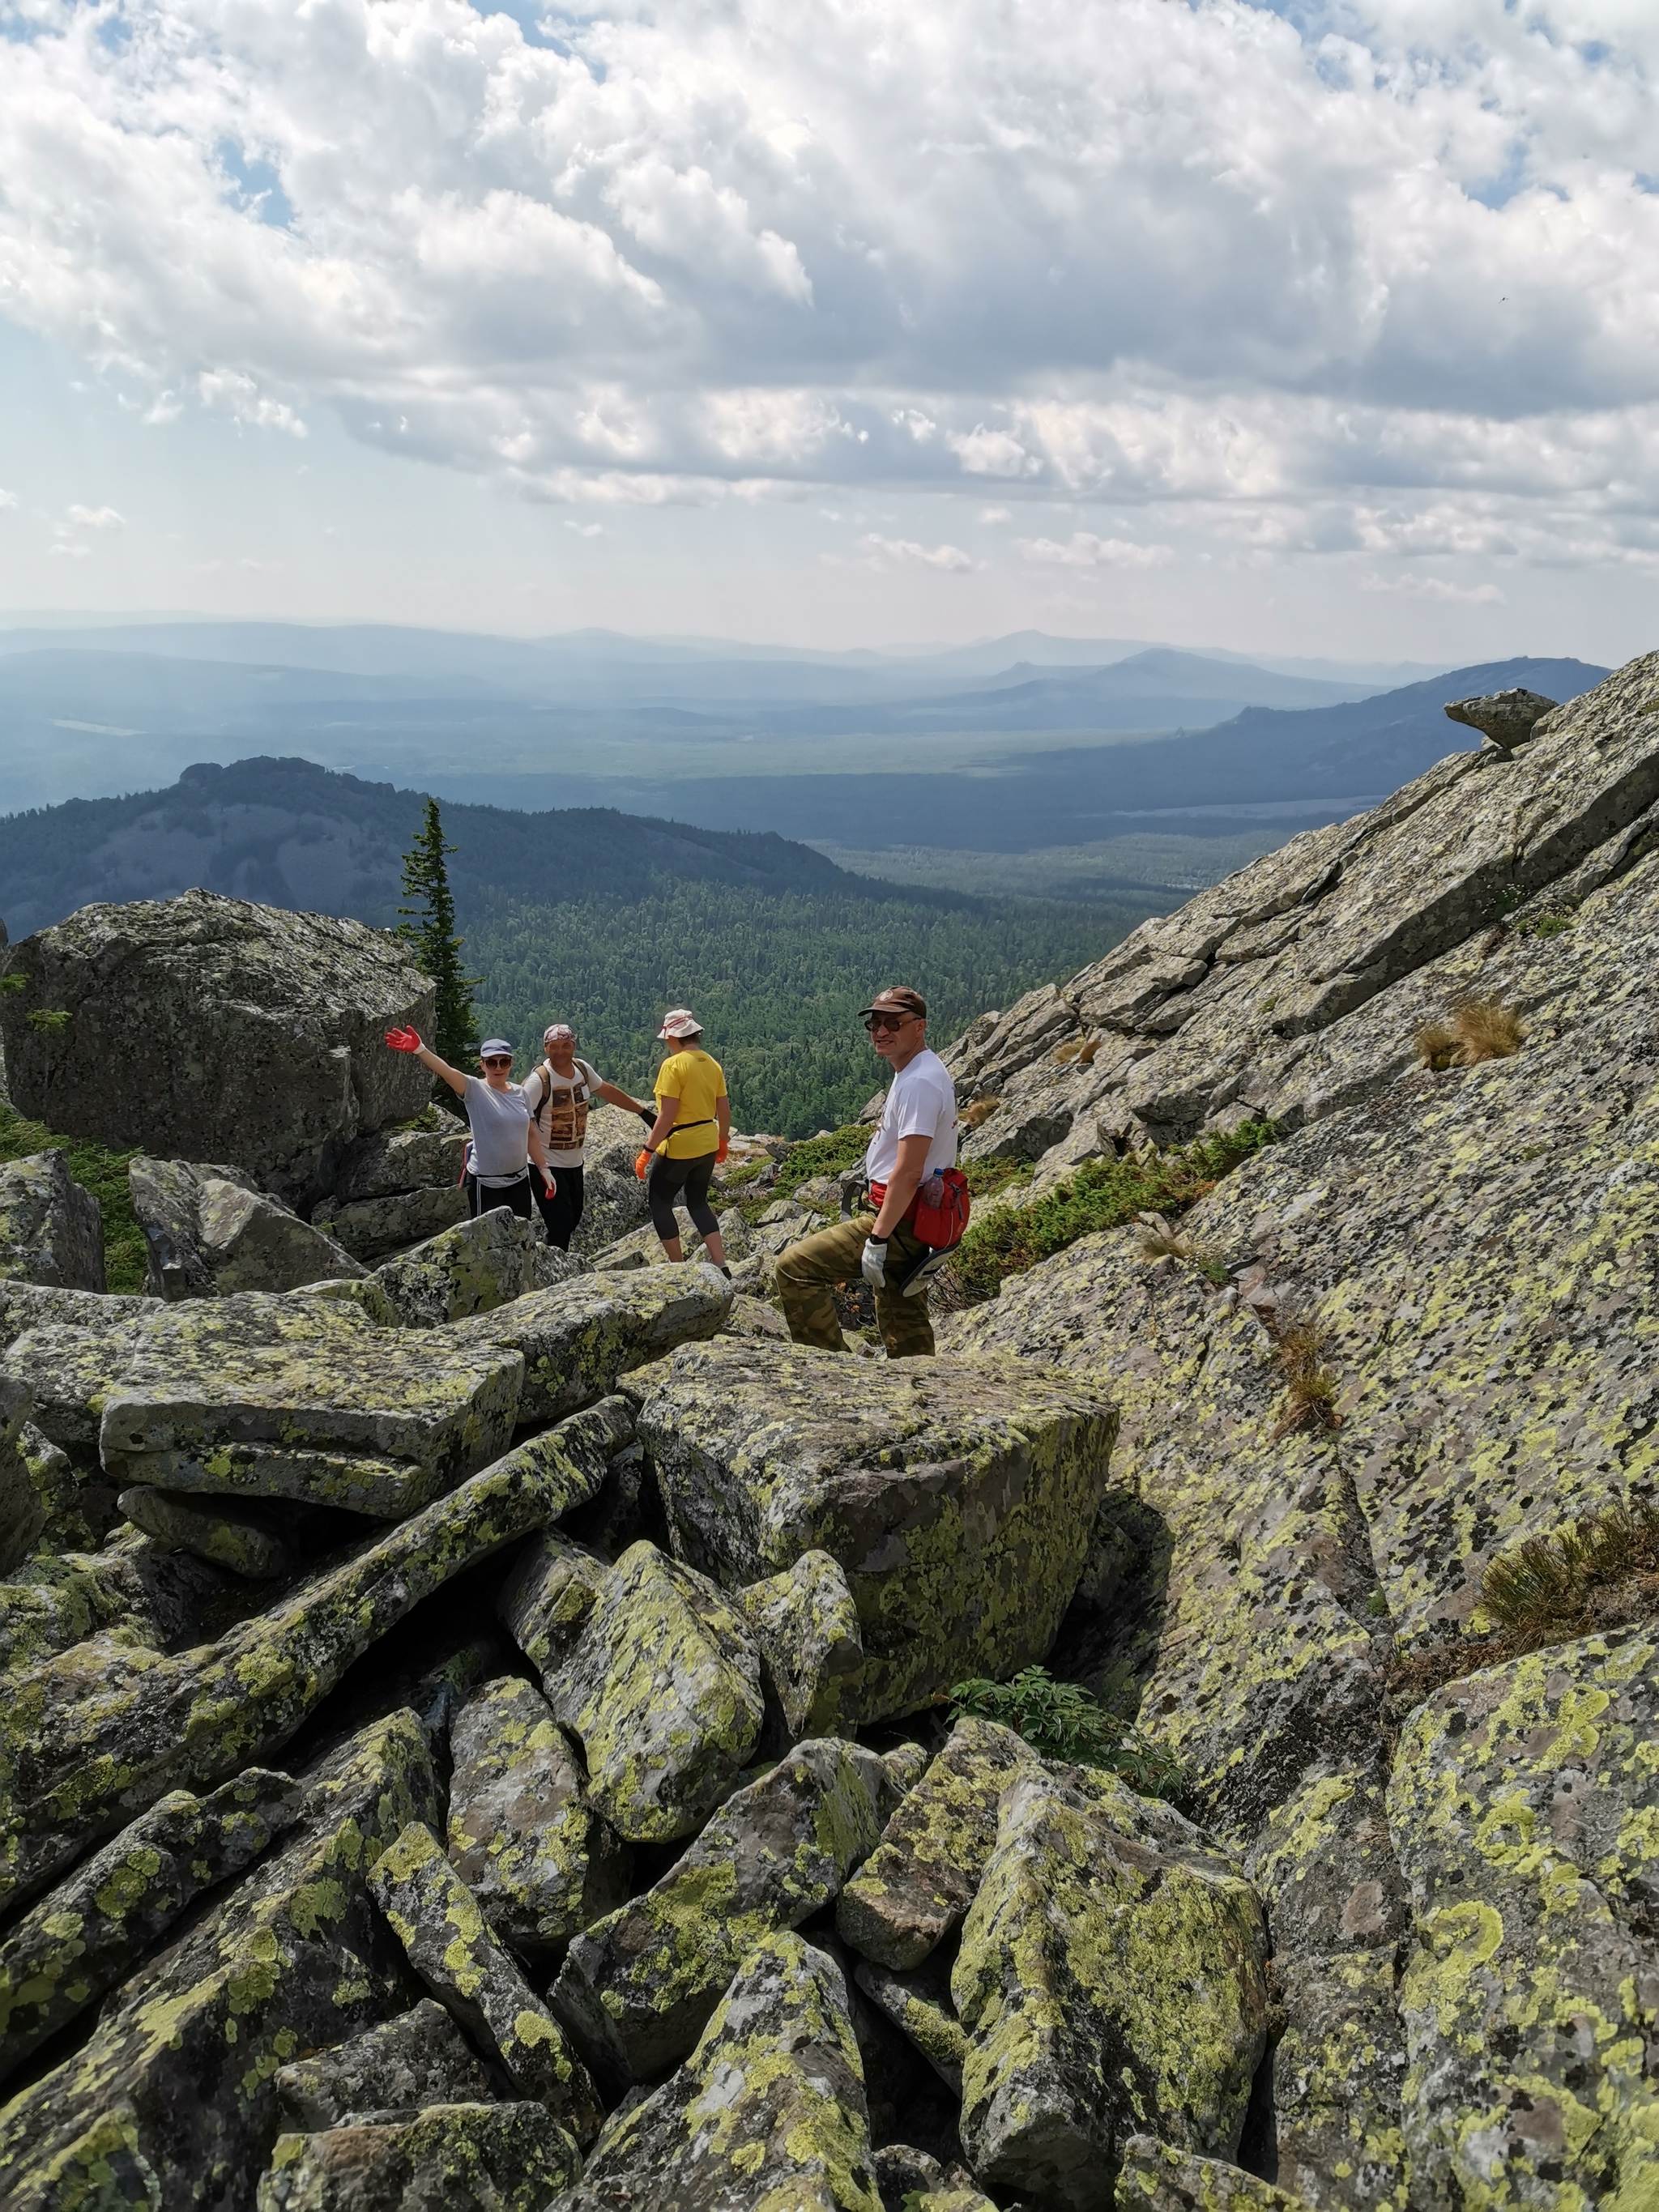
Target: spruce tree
(430, 930)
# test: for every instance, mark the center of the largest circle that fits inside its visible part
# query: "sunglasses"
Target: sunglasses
(888, 1021)
(499, 1060)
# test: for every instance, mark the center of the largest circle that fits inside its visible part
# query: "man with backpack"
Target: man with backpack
(559, 1093)
(911, 1156)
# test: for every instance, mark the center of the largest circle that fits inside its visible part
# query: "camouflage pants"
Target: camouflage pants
(806, 1271)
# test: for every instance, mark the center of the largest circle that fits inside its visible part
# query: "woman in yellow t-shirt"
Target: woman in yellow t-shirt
(689, 1137)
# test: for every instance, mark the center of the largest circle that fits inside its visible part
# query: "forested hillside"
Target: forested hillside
(591, 916)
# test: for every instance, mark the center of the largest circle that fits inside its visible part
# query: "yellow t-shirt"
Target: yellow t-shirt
(697, 1081)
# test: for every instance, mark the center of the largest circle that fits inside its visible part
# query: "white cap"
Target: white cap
(555, 1033)
(680, 1022)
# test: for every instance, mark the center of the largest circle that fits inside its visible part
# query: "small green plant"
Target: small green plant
(831, 1154)
(99, 1171)
(1544, 925)
(1376, 1605)
(1160, 1239)
(15, 982)
(53, 1020)
(1063, 1721)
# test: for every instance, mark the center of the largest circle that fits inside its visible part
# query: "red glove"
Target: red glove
(642, 1165)
(403, 1040)
(552, 1187)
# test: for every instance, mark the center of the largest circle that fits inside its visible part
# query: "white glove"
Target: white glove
(873, 1266)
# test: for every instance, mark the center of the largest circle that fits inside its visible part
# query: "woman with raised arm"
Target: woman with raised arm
(505, 1138)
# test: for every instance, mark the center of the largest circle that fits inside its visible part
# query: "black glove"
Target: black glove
(647, 1116)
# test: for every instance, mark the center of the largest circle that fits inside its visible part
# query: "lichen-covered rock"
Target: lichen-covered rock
(613, 1204)
(1524, 1806)
(127, 1590)
(1157, 2177)
(419, 2058)
(663, 1689)
(50, 1231)
(377, 1420)
(253, 1242)
(472, 1268)
(919, 2005)
(173, 2101)
(91, 1931)
(239, 1032)
(768, 2111)
(438, 1922)
(580, 1339)
(373, 1228)
(806, 1626)
(523, 1834)
(167, 1199)
(546, 1598)
(1508, 718)
(450, 2158)
(1106, 1987)
(22, 1508)
(921, 1878)
(91, 1737)
(911, 2180)
(242, 1538)
(638, 1988)
(388, 1162)
(957, 1499)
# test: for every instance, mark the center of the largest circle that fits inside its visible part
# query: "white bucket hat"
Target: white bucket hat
(680, 1022)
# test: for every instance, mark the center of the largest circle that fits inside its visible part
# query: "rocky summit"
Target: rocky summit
(490, 1728)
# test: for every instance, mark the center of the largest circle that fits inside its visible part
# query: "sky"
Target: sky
(1323, 328)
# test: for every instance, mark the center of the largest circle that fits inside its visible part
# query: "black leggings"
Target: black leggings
(516, 1198)
(563, 1211)
(669, 1178)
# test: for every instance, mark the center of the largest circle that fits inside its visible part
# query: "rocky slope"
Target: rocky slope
(475, 1727)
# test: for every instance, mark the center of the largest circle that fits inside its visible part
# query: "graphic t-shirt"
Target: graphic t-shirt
(698, 1081)
(499, 1121)
(560, 1105)
(921, 1102)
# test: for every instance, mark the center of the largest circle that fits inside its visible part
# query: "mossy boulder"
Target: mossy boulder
(374, 1229)
(242, 1538)
(957, 1499)
(23, 1509)
(663, 1690)
(921, 1878)
(450, 2158)
(172, 2100)
(470, 1268)
(1524, 1806)
(92, 1736)
(50, 1229)
(523, 1833)
(1106, 1987)
(419, 2058)
(579, 1337)
(1159, 2176)
(438, 1922)
(767, 2112)
(919, 2005)
(92, 1930)
(548, 1595)
(388, 1162)
(805, 1626)
(639, 1987)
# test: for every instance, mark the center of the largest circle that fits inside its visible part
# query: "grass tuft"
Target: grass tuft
(977, 1112)
(1310, 1388)
(1099, 1194)
(1063, 1721)
(1482, 1029)
(99, 1171)
(1161, 1240)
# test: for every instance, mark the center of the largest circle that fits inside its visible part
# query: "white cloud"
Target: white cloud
(1434, 587)
(989, 515)
(1369, 277)
(587, 529)
(906, 550)
(1083, 549)
(96, 518)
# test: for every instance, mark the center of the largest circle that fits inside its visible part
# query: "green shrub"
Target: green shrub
(1099, 1194)
(1064, 1721)
(102, 1172)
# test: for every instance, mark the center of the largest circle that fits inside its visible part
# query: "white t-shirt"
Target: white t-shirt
(922, 1103)
(566, 1118)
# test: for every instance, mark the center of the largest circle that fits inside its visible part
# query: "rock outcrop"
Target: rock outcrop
(209, 1232)
(50, 1229)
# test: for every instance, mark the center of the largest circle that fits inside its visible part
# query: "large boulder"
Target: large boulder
(373, 1228)
(50, 1229)
(957, 1499)
(388, 1162)
(448, 2157)
(22, 1508)
(205, 1028)
(469, 1268)
(209, 1232)
(419, 2058)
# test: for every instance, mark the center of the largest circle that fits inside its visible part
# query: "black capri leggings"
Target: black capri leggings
(669, 1179)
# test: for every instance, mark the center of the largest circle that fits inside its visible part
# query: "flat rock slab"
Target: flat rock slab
(1157, 2177)
(419, 2058)
(471, 1268)
(1105, 1988)
(287, 1419)
(92, 1736)
(663, 1689)
(51, 1232)
(922, 1877)
(373, 1228)
(523, 1833)
(919, 2005)
(957, 1499)
(437, 1920)
(452, 2158)
(243, 1539)
(579, 1338)
(638, 1988)
(92, 1929)
(768, 2111)
(176, 2084)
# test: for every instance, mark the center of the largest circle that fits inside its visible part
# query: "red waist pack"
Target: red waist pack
(939, 1217)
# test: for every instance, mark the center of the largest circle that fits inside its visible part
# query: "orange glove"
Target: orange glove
(642, 1165)
(720, 1156)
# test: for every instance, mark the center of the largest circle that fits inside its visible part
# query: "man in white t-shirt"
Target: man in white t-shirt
(915, 1136)
(558, 1094)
